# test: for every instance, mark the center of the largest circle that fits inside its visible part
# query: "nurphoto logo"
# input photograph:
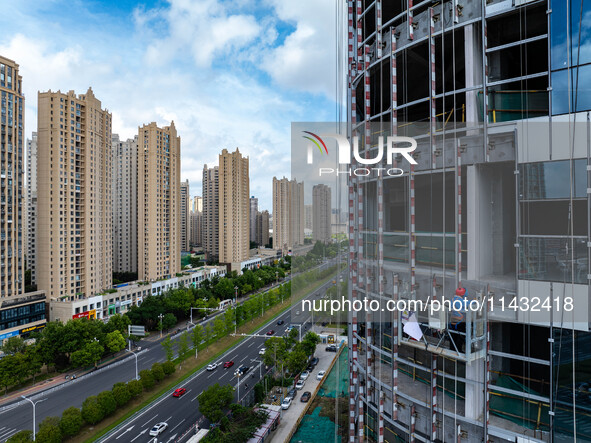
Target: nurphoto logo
(391, 149)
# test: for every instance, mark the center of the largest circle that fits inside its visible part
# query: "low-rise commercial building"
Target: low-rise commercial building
(122, 297)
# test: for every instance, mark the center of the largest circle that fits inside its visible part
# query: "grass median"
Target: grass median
(191, 365)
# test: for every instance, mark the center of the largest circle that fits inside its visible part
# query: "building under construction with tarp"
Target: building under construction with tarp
(494, 209)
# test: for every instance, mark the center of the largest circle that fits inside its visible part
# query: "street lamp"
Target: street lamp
(33, 403)
(235, 294)
(161, 324)
(135, 355)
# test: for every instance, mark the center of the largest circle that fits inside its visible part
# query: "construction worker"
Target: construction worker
(457, 324)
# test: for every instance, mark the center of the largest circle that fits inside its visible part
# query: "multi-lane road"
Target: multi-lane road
(183, 411)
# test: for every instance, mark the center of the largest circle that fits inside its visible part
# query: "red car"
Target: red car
(229, 364)
(271, 332)
(179, 392)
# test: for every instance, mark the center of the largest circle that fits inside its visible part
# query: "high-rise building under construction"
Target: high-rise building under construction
(495, 93)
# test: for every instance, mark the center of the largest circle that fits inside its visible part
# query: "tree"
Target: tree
(219, 328)
(89, 355)
(107, 402)
(168, 367)
(121, 393)
(114, 341)
(92, 412)
(71, 421)
(208, 331)
(157, 372)
(119, 323)
(33, 361)
(167, 345)
(49, 431)
(230, 320)
(8, 372)
(21, 437)
(135, 388)
(13, 346)
(214, 400)
(197, 337)
(224, 289)
(168, 321)
(309, 343)
(183, 345)
(147, 379)
(297, 359)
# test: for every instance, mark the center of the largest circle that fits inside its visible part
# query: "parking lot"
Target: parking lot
(290, 416)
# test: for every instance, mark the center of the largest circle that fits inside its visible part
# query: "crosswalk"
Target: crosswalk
(6, 432)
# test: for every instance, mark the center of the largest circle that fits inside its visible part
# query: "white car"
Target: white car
(320, 375)
(286, 403)
(304, 375)
(262, 351)
(212, 366)
(300, 384)
(158, 429)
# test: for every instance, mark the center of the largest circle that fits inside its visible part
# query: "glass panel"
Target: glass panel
(551, 180)
(396, 247)
(549, 259)
(560, 87)
(559, 33)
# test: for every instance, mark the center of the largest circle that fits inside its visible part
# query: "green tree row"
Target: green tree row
(95, 408)
(78, 343)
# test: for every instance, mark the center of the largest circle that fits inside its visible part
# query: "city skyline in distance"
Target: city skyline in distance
(144, 70)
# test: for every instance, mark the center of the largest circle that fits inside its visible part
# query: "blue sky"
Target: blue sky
(229, 73)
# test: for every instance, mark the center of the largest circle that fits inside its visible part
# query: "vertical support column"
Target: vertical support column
(456, 12)
(360, 411)
(351, 54)
(353, 377)
(411, 29)
(412, 423)
(412, 232)
(433, 119)
(485, 81)
(366, 279)
(381, 420)
(379, 28)
(459, 214)
(434, 380)
(395, 353)
(487, 368)
(359, 36)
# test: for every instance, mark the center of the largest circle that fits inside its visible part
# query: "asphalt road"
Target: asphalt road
(183, 412)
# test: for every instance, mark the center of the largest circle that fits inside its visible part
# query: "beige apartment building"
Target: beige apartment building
(197, 221)
(321, 208)
(159, 224)
(125, 201)
(74, 215)
(32, 207)
(262, 228)
(288, 213)
(12, 106)
(211, 212)
(234, 207)
(185, 216)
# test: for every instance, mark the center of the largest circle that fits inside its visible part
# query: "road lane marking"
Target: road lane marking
(195, 376)
(245, 357)
(194, 399)
(210, 375)
(166, 421)
(251, 344)
(180, 423)
(139, 435)
(149, 420)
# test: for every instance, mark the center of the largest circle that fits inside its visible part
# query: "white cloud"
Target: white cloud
(306, 59)
(167, 67)
(203, 28)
